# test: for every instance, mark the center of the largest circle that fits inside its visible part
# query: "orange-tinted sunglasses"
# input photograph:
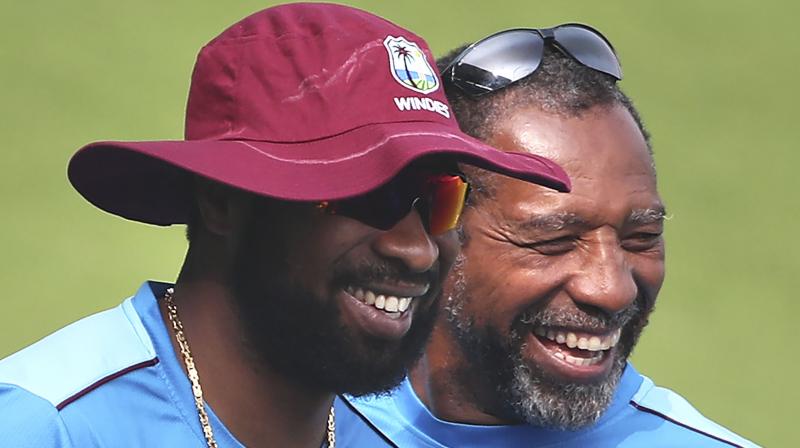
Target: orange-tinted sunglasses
(439, 198)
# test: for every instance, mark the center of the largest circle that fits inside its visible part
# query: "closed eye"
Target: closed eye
(641, 241)
(555, 246)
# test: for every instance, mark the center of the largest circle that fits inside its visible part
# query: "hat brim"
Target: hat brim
(151, 181)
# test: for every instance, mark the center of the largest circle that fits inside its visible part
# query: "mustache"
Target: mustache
(387, 270)
(598, 321)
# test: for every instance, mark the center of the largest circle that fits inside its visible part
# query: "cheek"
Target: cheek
(502, 281)
(449, 249)
(650, 274)
(315, 252)
(649, 269)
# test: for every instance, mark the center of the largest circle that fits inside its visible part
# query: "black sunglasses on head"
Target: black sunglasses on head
(503, 58)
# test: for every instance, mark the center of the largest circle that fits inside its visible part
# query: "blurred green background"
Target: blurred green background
(716, 82)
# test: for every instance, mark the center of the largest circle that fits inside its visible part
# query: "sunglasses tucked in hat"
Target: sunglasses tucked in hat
(302, 102)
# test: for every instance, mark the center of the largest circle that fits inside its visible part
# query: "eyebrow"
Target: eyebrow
(561, 220)
(552, 221)
(645, 216)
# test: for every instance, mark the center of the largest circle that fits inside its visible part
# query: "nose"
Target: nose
(408, 242)
(605, 279)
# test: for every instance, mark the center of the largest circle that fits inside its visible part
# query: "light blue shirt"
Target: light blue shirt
(640, 415)
(113, 380)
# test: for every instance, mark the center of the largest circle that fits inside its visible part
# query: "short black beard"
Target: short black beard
(301, 336)
(522, 392)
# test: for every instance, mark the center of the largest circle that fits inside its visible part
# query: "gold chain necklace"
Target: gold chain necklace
(194, 377)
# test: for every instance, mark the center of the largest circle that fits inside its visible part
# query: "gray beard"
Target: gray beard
(534, 399)
(522, 392)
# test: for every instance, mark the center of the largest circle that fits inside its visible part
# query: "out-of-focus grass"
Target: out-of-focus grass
(715, 81)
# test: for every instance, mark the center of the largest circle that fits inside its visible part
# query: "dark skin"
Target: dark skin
(586, 253)
(260, 406)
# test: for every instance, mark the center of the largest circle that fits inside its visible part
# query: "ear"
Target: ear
(219, 206)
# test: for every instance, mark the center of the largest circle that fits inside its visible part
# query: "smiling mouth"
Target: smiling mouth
(388, 303)
(382, 310)
(578, 349)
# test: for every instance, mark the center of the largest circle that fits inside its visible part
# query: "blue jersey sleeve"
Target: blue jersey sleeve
(29, 421)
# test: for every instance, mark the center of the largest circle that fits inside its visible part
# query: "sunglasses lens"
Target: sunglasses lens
(381, 208)
(440, 199)
(447, 196)
(498, 61)
(589, 48)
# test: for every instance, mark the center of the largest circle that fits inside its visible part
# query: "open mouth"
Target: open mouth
(577, 354)
(388, 303)
(384, 312)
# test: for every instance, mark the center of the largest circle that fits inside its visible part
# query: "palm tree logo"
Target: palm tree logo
(405, 54)
(410, 66)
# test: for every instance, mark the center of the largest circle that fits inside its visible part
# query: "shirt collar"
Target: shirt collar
(416, 415)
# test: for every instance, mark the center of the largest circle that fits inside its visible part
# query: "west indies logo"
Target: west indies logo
(410, 66)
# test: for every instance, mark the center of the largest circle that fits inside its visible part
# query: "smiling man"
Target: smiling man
(552, 290)
(321, 221)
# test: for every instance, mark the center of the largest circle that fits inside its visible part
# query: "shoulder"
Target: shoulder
(41, 382)
(64, 364)
(675, 419)
(27, 420)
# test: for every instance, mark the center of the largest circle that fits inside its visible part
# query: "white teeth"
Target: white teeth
(572, 340)
(574, 360)
(404, 303)
(390, 304)
(369, 298)
(559, 355)
(581, 361)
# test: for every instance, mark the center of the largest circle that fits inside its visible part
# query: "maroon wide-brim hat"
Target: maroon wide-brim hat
(302, 102)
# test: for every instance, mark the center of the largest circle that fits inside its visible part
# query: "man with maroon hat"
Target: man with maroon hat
(319, 184)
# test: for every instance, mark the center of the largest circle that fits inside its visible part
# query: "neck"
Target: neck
(447, 389)
(259, 406)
